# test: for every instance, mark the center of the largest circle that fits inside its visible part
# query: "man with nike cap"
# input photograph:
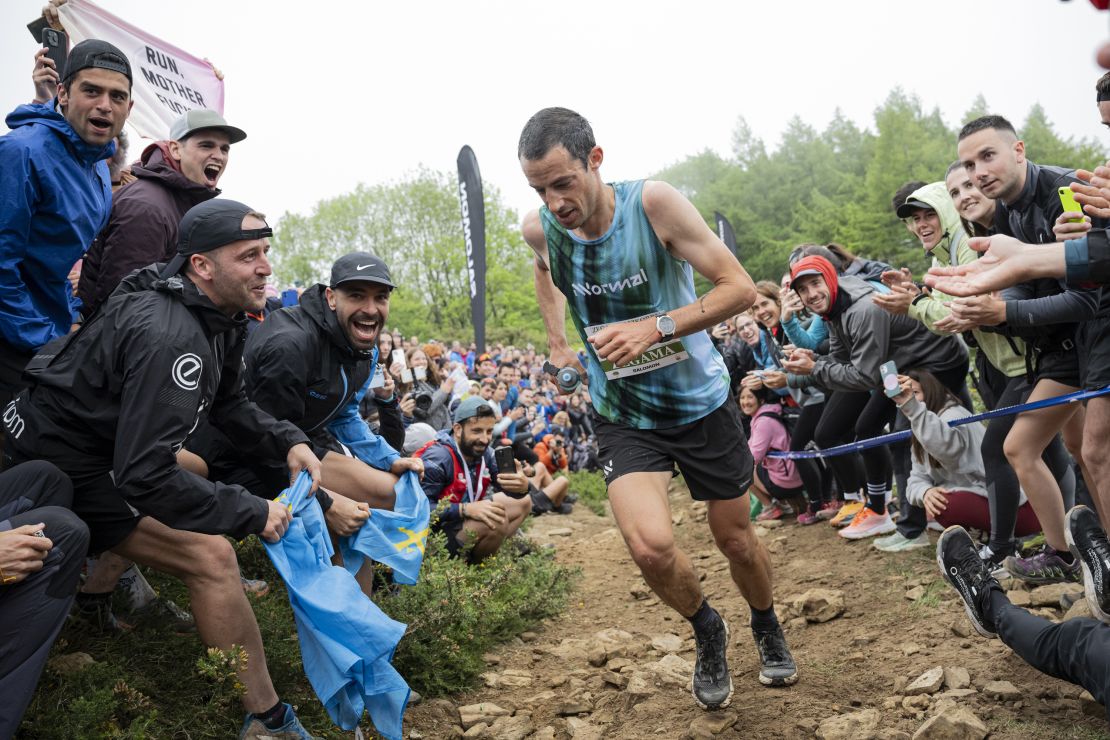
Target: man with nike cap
(111, 404)
(57, 194)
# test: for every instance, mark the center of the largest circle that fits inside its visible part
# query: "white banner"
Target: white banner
(167, 80)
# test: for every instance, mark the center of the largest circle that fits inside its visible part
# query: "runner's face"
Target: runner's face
(995, 162)
(766, 311)
(239, 272)
(813, 292)
(926, 226)
(202, 156)
(361, 307)
(970, 203)
(749, 404)
(473, 436)
(96, 103)
(567, 187)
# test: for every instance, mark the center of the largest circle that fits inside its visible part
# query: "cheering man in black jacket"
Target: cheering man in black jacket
(111, 404)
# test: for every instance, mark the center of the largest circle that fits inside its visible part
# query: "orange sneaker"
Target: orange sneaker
(847, 512)
(868, 524)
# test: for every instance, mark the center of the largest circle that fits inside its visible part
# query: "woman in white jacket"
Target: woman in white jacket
(947, 477)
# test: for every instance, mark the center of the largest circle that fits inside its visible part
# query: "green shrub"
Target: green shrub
(590, 487)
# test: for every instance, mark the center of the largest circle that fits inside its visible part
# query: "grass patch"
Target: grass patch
(152, 683)
(1056, 730)
(591, 490)
(931, 598)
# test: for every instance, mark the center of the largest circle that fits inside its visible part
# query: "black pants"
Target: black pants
(1077, 650)
(810, 471)
(836, 427)
(33, 610)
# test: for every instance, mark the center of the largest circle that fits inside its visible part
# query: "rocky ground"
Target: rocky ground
(883, 648)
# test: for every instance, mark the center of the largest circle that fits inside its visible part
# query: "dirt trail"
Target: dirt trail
(617, 663)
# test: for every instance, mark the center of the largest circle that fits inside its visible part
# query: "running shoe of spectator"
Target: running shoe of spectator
(1087, 542)
(776, 664)
(963, 569)
(846, 513)
(828, 510)
(291, 729)
(755, 509)
(255, 588)
(806, 518)
(995, 561)
(898, 542)
(775, 512)
(1045, 567)
(164, 611)
(935, 526)
(97, 615)
(711, 684)
(867, 524)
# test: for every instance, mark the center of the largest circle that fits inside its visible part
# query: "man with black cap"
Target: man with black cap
(57, 194)
(172, 177)
(306, 364)
(111, 404)
(484, 506)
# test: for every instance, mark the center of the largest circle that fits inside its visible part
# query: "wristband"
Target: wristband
(920, 296)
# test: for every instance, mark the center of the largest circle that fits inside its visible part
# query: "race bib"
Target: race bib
(654, 357)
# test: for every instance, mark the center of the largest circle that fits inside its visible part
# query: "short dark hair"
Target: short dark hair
(1102, 87)
(984, 122)
(553, 127)
(902, 194)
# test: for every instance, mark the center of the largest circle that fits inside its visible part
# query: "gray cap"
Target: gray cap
(96, 54)
(470, 407)
(197, 119)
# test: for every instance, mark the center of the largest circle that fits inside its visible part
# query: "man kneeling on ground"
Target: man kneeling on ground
(484, 506)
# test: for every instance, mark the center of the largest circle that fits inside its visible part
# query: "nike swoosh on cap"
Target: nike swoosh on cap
(363, 267)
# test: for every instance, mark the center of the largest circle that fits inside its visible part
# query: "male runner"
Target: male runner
(624, 255)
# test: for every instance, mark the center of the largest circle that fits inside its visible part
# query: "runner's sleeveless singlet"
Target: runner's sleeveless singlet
(628, 275)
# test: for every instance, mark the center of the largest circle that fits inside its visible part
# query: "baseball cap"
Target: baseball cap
(912, 204)
(96, 54)
(360, 266)
(469, 408)
(211, 225)
(194, 120)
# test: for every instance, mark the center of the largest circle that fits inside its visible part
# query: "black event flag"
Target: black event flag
(474, 235)
(724, 230)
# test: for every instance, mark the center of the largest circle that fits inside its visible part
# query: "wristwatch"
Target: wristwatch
(666, 327)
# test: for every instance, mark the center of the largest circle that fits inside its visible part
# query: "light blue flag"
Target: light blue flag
(346, 641)
(396, 538)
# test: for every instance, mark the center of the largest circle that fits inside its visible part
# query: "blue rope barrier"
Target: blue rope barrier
(885, 439)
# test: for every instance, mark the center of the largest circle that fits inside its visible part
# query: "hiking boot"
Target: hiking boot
(1087, 542)
(712, 682)
(291, 729)
(828, 510)
(162, 611)
(963, 569)
(1045, 567)
(867, 524)
(846, 513)
(254, 588)
(806, 518)
(898, 542)
(776, 664)
(772, 514)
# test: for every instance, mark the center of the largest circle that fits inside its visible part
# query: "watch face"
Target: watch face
(665, 325)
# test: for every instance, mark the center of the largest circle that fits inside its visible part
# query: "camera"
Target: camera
(423, 400)
(558, 441)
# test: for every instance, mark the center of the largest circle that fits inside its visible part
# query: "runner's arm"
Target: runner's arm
(552, 303)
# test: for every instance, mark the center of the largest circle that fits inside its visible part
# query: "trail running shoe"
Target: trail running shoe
(806, 519)
(772, 514)
(995, 561)
(97, 614)
(1087, 542)
(867, 524)
(963, 569)
(898, 542)
(292, 729)
(712, 682)
(828, 510)
(846, 513)
(1045, 567)
(776, 664)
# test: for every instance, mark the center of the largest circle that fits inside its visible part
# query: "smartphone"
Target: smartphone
(889, 373)
(503, 456)
(58, 44)
(1068, 201)
(421, 373)
(378, 380)
(399, 356)
(406, 376)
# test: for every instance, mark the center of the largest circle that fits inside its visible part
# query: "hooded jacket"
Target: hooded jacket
(142, 228)
(770, 435)
(301, 368)
(123, 394)
(863, 336)
(55, 196)
(1005, 353)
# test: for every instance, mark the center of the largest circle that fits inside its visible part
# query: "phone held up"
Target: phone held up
(889, 373)
(503, 456)
(1070, 204)
(57, 43)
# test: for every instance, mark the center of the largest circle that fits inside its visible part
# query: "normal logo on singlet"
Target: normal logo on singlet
(186, 371)
(588, 288)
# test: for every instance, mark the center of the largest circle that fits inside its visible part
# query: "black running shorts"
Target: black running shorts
(711, 453)
(1093, 342)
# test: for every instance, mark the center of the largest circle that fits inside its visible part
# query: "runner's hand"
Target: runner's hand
(488, 512)
(277, 521)
(300, 458)
(346, 517)
(22, 552)
(566, 357)
(624, 342)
